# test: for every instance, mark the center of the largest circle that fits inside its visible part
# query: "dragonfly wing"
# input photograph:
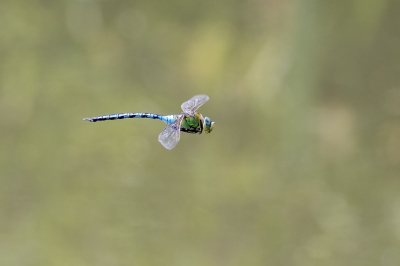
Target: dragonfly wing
(194, 103)
(170, 136)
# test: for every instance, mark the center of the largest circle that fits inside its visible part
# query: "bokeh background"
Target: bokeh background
(303, 167)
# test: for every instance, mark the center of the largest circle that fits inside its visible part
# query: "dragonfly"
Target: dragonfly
(188, 121)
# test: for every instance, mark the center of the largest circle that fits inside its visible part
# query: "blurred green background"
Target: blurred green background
(302, 168)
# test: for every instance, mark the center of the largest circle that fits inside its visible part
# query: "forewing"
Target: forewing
(170, 136)
(194, 103)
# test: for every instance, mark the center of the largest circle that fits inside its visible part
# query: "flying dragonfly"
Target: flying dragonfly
(188, 121)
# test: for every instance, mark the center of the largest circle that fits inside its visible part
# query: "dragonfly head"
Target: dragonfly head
(208, 125)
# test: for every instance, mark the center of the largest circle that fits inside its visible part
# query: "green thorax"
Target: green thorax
(192, 124)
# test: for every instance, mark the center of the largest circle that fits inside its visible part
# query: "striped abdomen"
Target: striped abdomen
(123, 116)
(169, 119)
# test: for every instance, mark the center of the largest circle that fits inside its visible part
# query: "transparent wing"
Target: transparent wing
(194, 103)
(170, 136)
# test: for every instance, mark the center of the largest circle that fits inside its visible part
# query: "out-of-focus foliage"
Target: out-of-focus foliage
(301, 169)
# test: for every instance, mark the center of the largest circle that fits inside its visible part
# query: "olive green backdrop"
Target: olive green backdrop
(302, 168)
